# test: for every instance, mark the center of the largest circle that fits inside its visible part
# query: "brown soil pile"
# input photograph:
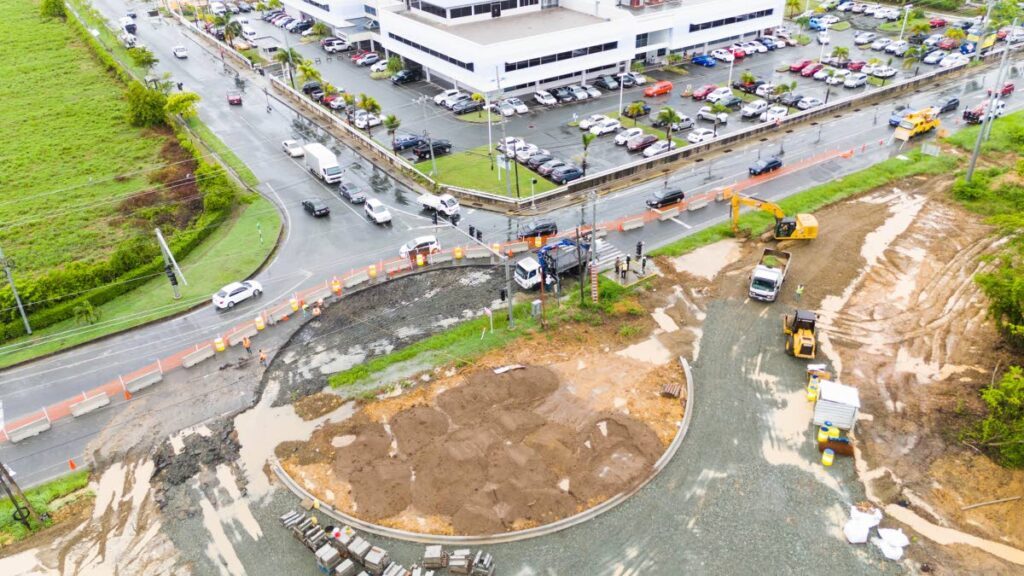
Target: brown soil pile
(482, 453)
(316, 405)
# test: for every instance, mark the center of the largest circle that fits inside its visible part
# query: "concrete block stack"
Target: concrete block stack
(435, 557)
(483, 564)
(327, 557)
(376, 561)
(358, 549)
(396, 570)
(347, 568)
(417, 571)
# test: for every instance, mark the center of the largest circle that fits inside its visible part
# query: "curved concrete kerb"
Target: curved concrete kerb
(562, 524)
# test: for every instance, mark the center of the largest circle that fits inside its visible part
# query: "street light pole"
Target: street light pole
(906, 15)
(984, 30)
(17, 299)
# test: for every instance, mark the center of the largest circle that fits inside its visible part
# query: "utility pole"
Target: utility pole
(22, 510)
(170, 264)
(433, 162)
(906, 15)
(8, 265)
(579, 257)
(997, 94)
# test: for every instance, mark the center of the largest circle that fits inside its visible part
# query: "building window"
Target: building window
(524, 3)
(434, 53)
(369, 9)
(727, 21)
(460, 12)
(321, 5)
(524, 64)
(641, 40)
(482, 8)
(431, 9)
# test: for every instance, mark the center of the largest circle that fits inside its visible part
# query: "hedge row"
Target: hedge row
(135, 261)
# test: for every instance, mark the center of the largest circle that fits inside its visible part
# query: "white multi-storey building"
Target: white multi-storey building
(515, 46)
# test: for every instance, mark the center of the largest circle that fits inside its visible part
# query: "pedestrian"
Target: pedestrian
(305, 308)
(628, 261)
(575, 118)
(263, 358)
(618, 267)
(247, 344)
(639, 249)
(643, 265)
(316, 311)
(181, 86)
(799, 292)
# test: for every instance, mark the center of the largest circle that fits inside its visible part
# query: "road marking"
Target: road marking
(284, 208)
(681, 223)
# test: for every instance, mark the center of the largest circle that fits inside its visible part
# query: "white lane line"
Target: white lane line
(681, 223)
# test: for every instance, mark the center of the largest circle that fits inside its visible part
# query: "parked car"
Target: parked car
(824, 73)
(933, 40)
(591, 91)
(937, 22)
(718, 94)
(293, 148)
(563, 94)
(659, 88)
(609, 126)
(659, 147)
(954, 59)
(626, 135)
(466, 106)
(704, 60)
(567, 173)
(548, 167)
(898, 48)
(774, 114)
(754, 109)
(765, 90)
(824, 37)
(765, 165)
(799, 65)
(706, 114)
(316, 208)
(855, 80)
(608, 82)
(588, 122)
(368, 59)
(537, 228)
(865, 38)
(234, 98)
(790, 98)
(537, 160)
(645, 109)
(363, 119)
(948, 43)
(811, 70)
(376, 211)
(856, 65)
(837, 77)
(884, 72)
(523, 155)
(443, 97)
(934, 57)
(702, 92)
(439, 147)
(641, 142)
(634, 78)
(333, 45)
(407, 75)
(503, 108)
(424, 245)
(948, 105)
(544, 98)
(351, 192)
(723, 55)
(808, 103)
(665, 197)
(699, 135)
(180, 52)
(406, 141)
(731, 101)
(579, 93)
(235, 293)
(684, 123)
(380, 66)
(518, 105)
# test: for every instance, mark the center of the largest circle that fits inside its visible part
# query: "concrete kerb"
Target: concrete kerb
(236, 337)
(30, 429)
(632, 223)
(144, 380)
(88, 404)
(518, 535)
(667, 214)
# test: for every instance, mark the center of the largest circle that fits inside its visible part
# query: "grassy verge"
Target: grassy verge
(472, 169)
(1006, 135)
(841, 26)
(40, 498)
(820, 196)
(479, 117)
(897, 25)
(221, 149)
(232, 252)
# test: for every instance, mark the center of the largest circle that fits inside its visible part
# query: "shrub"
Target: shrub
(1002, 431)
(52, 9)
(145, 106)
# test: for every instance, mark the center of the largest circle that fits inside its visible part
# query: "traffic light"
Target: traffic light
(169, 270)
(504, 294)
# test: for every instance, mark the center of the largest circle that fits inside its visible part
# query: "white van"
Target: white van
(248, 33)
(217, 8)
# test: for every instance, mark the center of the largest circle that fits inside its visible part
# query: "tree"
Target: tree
(395, 64)
(669, 117)
(371, 106)
(747, 77)
(919, 27)
(913, 56)
(634, 110)
(716, 109)
(143, 57)
(145, 106)
(1002, 431)
(841, 52)
(588, 137)
(955, 33)
(308, 72)
(1003, 13)
(273, 4)
(86, 313)
(391, 124)
(350, 104)
(803, 22)
(321, 29)
(793, 7)
(291, 58)
(674, 58)
(478, 97)
(232, 30)
(52, 9)
(182, 104)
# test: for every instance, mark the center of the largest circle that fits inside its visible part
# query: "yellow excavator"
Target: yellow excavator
(800, 227)
(799, 330)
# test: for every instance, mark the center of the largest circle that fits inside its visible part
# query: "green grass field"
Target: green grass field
(41, 499)
(1007, 135)
(68, 155)
(472, 169)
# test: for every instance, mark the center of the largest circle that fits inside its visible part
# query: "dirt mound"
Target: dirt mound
(484, 456)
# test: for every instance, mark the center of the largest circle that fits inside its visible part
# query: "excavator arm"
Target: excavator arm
(804, 226)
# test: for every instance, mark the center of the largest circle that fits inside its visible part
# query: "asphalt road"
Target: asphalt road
(313, 250)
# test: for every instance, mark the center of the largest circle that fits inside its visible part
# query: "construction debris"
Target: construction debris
(435, 557)
(862, 519)
(891, 542)
(672, 390)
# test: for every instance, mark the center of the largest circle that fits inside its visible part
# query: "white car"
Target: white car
(752, 47)
(828, 19)
(898, 48)
(935, 57)
(518, 105)
(855, 80)
(293, 148)
(364, 119)
(593, 92)
(718, 94)
(440, 98)
(722, 55)
(544, 98)
(180, 52)
(808, 103)
(381, 66)
(933, 40)
(844, 6)
(236, 292)
(823, 73)
(590, 121)
(451, 102)
(578, 93)
(754, 108)
(881, 43)
(699, 135)
(705, 113)
(638, 78)
(366, 60)
(512, 144)
(376, 211)
(774, 113)
(765, 90)
(503, 108)
(659, 147)
(824, 37)
(865, 38)
(423, 245)
(954, 59)
(526, 152)
(837, 77)
(626, 135)
(884, 72)
(606, 127)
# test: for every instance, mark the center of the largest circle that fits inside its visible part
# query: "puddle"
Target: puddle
(948, 536)
(665, 322)
(25, 563)
(707, 261)
(109, 489)
(650, 350)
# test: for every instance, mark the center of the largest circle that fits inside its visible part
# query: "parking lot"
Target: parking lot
(553, 127)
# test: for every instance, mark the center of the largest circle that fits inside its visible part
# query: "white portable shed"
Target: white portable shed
(837, 404)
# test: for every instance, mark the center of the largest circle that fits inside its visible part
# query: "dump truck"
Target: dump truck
(799, 330)
(977, 114)
(769, 274)
(322, 163)
(551, 261)
(444, 204)
(919, 122)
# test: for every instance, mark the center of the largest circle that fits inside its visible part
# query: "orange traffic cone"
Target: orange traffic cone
(71, 464)
(127, 395)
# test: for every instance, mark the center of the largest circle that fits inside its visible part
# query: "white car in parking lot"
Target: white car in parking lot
(236, 292)
(518, 105)
(698, 135)
(823, 73)
(898, 48)
(443, 96)
(381, 66)
(659, 147)
(837, 77)
(765, 90)
(935, 56)
(722, 55)
(754, 108)
(706, 114)
(719, 93)
(626, 135)
(579, 93)
(884, 72)
(544, 98)
(593, 92)
(293, 148)
(954, 59)
(523, 154)
(752, 47)
(808, 103)
(589, 122)
(775, 113)
(865, 38)
(881, 43)
(608, 126)
(364, 119)
(855, 80)
(504, 108)
(511, 145)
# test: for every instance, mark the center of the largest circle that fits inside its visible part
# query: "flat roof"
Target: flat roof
(496, 30)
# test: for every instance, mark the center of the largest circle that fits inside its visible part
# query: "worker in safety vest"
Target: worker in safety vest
(247, 344)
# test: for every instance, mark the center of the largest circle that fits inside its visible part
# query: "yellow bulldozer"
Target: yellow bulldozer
(800, 227)
(799, 330)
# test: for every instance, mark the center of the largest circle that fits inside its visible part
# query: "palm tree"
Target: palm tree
(716, 109)
(588, 137)
(674, 58)
(350, 102)
(395, 64)
(747, 77)
(919, 27)
(232, 28)
(913, 56)
(792, 7)
(321, 29)
(290, 57)
(668, 116)
(841, 52)
(955, 33)
(308, 72)
(371, 106)
(391, 124)
(634, 110)
(478, 97)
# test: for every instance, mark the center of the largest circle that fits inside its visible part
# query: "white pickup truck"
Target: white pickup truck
(444, 204)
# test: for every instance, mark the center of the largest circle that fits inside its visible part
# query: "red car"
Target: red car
(234, 98)
(358, 54)
(937, 22)
(1006, 90)
(811, 70)
(949, 43)
(702, 92)
(856, 65)
(800, 65)
(737, 52)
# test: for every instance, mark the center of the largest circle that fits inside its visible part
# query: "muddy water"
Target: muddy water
(707, 261)
(650, 350)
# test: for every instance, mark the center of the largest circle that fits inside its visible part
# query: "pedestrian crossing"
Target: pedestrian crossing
(606, 253)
